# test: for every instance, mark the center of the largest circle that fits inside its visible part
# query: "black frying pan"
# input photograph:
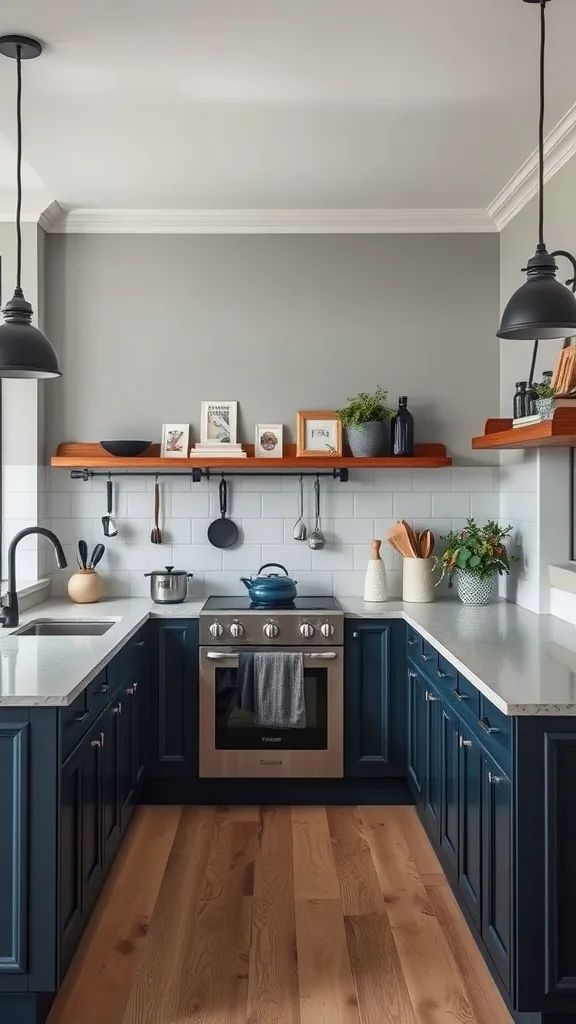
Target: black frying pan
(223, 533)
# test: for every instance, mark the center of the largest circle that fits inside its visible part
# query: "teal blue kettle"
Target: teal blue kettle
(271, 590)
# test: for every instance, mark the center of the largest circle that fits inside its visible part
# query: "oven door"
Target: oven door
(233, 746)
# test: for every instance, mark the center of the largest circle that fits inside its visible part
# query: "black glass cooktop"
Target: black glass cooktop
(244, 604)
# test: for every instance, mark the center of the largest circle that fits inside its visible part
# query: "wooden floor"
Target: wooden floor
(303, 915)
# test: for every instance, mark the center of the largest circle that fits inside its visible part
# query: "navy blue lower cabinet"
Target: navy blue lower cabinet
(111, 781)
(417, 728)
(496, 865)
(450, 787)
(374, 698)
(14, 753)
(432, 804)
(174, 701)
(470, 810)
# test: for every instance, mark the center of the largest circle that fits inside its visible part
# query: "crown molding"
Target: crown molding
(559, 147)
(51, 216)
(247, 222)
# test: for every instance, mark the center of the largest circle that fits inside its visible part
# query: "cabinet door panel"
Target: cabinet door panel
(14, 784)
(111, 753)
(449, 774)
(470, 852)
(417, 717)
(174, 714)
(368, 699)
(128, 701)
(71, 856)
(433, 786)
(496, 853)
(92, 847)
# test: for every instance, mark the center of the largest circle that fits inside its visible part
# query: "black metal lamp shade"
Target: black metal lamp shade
(24, 351)
(542, 308)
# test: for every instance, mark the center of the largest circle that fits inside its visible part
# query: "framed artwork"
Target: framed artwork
(318, 433)
(269, 441)
(218, 422)
(175, 440)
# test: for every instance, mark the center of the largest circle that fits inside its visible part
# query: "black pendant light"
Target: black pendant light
(542, 308)
(24, 350)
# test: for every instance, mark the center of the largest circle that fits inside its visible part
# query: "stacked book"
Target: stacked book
(222, 450)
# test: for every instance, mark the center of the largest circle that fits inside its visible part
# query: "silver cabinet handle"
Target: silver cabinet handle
(132, 689)
(102, 740)
(412, 643)
(427, 657)
(485, 725)
(494, 780)
(317, 656)
(441, 674)
(103, 688)
(459, 695)
(465, 743)
(430, 696)
(117, 709)
(355, 635)
(139, 643)
(411, 674)
(96, 743)
(80, 716)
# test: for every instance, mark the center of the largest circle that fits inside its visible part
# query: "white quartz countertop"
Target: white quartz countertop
(524, 663)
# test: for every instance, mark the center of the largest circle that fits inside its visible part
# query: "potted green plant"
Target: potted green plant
(365, 421)
(475, 555)
(544, 401)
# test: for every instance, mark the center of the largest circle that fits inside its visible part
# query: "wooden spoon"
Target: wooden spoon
(398, 539)
(426, 542)
(412, 540)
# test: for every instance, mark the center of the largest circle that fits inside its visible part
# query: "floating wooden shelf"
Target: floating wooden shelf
(559, 432)
(93, 456)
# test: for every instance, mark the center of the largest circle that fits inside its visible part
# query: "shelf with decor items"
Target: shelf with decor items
(558, 432)
(93, 457)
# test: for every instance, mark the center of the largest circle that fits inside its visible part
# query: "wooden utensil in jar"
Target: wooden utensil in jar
(412, 540)
(398, 539)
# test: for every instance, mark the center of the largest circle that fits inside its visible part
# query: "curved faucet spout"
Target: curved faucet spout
(9, 614)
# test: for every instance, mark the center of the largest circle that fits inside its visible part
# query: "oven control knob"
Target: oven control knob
(306, 630)
(271, 629)
(216, 629)
(236, 629)
(327, 630)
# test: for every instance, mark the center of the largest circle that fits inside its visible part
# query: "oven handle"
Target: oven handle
(221, 655)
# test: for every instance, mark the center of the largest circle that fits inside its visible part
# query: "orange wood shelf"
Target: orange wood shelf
(559, 432)
(93, 456)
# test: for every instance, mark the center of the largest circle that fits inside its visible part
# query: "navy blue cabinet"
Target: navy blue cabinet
(374, 698)
(470, 860)
(497, 866)
(111, 778)
(174, 701)
(14, 752)
(417, 729)
(449, 773)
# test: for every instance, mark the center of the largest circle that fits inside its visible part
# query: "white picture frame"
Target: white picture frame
(175, 441)
(218, 423)
(264, 446)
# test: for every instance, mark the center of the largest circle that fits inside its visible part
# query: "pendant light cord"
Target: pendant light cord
(541, 122)
(19, 174)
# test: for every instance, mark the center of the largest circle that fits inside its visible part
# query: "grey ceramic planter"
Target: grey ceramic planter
(369, 441)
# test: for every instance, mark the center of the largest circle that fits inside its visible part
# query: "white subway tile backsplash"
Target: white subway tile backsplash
(59, 505)
(145, 558)
(176, 531)
(312, 584)
(262, 531)
(139, 585)
(393, 480)
(432, 480)
(139, 505)
(377, 503)
(291, 556)
(60, 480)
(518, 505)
(200, 530)
(70, 531)
(171, 484)
(246, 558)
(410, 506)
(485, 506)
(188, 505)
(473, 478)
(337, 557)
(336, 504)
(353, 531)
(279, 505)
(197, 556)
(89, 505)
(348, 583)
(239, 504)
(19, 505)
(22, 478)
(450, 504)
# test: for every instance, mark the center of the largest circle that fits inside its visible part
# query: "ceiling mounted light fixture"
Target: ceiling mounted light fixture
(542, 308)
(24, 350)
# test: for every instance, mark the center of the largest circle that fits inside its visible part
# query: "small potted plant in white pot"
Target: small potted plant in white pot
(474, 556)
(544, 401)
(365, 420)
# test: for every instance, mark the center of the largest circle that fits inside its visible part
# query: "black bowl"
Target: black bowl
(128, 449)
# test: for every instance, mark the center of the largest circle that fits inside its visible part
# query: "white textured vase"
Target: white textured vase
(418, 581)
(474, 589)
(376, 583)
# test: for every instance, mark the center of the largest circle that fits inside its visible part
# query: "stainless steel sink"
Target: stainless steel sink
(65, 627)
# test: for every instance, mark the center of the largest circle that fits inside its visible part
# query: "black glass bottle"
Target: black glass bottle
(521, 400)
(402, 430)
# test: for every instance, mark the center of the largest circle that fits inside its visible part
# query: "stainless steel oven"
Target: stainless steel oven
(233, 746)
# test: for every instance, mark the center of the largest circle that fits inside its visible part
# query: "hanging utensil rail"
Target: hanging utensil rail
(198, 474)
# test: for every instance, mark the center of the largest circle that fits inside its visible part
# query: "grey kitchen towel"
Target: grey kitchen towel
(271, 684)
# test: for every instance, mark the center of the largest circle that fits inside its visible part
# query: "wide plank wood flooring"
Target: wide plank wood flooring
(302, 915)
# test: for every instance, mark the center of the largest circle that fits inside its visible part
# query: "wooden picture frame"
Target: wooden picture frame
(318, 434)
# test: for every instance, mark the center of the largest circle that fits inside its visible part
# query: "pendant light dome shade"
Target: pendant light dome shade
(543, 308)
(24, 350)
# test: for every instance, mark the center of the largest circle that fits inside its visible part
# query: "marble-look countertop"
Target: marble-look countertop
(524, 663)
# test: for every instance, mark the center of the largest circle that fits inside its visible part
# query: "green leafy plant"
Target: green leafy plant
(480, 550)
(544, 390)
(365, 408)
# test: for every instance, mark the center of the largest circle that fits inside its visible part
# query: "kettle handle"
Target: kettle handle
(273, 565)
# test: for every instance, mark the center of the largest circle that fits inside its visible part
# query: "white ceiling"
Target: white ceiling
(392, 104)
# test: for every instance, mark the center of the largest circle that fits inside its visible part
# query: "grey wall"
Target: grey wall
(148, 326)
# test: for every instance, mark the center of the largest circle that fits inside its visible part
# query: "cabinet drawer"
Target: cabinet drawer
(75, 720)
(129, 658)
(98, 694)
(495, 729)
(429, 659)
(462, 694)
(414, 643)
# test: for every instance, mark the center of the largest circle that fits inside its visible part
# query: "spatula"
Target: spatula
(412, 540)
(398, 539)
(426, 543)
